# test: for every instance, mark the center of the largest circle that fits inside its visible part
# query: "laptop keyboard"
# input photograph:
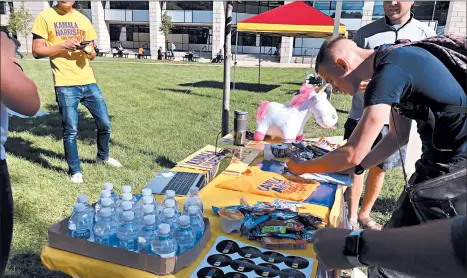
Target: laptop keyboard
(181, 183)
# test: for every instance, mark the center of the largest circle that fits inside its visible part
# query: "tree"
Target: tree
(80, 9)
(20, 21)
(166, 26)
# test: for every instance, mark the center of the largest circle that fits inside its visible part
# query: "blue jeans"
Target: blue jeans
(19, 53)
(68, 98)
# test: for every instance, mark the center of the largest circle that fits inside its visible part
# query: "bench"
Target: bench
(168, 55)
(193, 59)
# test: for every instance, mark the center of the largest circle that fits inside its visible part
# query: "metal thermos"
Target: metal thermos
(240, 121)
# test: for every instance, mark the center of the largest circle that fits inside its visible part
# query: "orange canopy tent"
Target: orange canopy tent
(296, 19)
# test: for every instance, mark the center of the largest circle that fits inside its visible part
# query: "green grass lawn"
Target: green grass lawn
(156, 121)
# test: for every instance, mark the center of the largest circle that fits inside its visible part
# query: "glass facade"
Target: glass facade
(131, 36)
(350, 9)
(82, 5)
(129, 5)
(191, 38)
(189, 11)
(2, 7)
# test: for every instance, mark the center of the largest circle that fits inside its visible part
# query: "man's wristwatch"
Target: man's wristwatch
(359, 170)
(353, 247)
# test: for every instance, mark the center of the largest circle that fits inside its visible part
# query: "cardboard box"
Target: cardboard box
(59, 239)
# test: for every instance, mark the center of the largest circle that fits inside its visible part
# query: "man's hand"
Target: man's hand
(7, 46)
(329, 247)
(363, 85)
(70, 44)
(294, 165)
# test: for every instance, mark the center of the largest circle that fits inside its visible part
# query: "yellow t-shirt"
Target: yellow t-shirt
(69, 68)
(270, 184)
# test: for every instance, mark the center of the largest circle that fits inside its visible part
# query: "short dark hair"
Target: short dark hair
(325, 51)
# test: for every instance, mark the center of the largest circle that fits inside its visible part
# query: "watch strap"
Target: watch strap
(354, 260)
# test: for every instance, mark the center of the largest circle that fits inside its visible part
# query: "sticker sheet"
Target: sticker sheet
(230, 259)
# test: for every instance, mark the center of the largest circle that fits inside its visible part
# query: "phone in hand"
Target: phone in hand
(83, 44)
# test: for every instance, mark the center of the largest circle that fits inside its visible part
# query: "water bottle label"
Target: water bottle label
(84, 234)
(168, 255)
(127, 244)
(145, 249)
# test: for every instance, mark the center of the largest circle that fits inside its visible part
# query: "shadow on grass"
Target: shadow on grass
(188, 92)
(251, 87)
(24, 265)
(51, 125)
(385, 205)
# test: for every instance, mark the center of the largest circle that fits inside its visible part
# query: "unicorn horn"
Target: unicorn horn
(322, 88)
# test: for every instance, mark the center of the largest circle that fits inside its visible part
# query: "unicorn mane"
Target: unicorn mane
(304, 95)
(262, 110)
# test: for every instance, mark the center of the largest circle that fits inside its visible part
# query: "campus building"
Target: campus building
(199, 25)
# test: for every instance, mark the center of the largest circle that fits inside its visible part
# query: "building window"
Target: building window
(2, 7)
(423, 10)
(272, 41)
(82, 5)
(190, 38)
(350, 9)
(255, 7)
(441, 12)
(129, 36)
(189, 5)
(130, 5)
(378, 10)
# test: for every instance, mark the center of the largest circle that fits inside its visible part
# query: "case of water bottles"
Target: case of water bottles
(66, 236)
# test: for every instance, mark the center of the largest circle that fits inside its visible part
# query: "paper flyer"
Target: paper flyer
(241, 159)
(204, 159)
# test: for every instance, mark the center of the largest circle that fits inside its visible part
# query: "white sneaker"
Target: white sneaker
(109, 161)
(77, 178)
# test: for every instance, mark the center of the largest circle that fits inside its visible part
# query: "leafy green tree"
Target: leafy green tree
(166, 27)
(20, 22)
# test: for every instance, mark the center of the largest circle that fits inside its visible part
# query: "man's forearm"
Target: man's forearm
(46, 51)
(385, 148)
(424, 250)
(332, 162)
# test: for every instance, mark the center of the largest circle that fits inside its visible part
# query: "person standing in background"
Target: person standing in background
(66, 36)
(17, 45)
(18, 93)
(398, 23)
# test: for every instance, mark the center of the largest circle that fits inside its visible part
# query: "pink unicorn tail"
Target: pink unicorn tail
(262, 110)
(304, 95)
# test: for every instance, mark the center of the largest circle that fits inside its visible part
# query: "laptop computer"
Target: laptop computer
(180, 182)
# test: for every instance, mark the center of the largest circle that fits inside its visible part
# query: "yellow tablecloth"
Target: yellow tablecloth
(81, 266)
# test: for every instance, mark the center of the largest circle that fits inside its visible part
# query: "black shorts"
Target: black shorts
(392, 162)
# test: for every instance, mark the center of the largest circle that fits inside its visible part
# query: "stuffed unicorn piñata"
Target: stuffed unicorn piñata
(287, 121)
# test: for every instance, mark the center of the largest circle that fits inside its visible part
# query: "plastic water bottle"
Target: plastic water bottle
(194, 193)
(147, 234)
(105, 230)
(104, 194)
(191, 201)
(108, 203)
(145, 192)
(149, 210)
(137, 209)
(164, 245)
(184, 235)
(148, 200)
(127, 189)
(124, 206)
(170, 218)
(80, 224)
(170, 194)
(110, 187)
(196, 221)
(128, 232)
(170, 203)
(83, 199)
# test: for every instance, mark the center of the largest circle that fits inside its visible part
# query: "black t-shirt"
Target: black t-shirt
(413, 75)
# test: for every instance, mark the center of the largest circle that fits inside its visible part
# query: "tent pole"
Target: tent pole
(337, 19)
(235, 59)
(259, 64)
